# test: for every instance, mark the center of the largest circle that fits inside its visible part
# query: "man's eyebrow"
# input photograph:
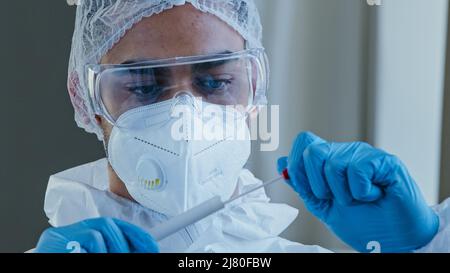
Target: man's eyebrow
(142, 60)
(136, 61)
(210, 65)
(223, 52)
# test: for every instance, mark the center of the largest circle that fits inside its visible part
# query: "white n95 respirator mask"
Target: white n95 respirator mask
(174, 155)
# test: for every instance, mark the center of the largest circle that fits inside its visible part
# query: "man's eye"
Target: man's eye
(211, 84)
(145, 90)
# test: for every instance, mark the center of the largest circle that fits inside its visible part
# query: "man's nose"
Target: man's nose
(184, 86)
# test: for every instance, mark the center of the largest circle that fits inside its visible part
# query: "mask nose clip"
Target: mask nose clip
(185, 99)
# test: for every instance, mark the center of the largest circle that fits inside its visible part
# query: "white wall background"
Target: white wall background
(409, 76)
(341, 69)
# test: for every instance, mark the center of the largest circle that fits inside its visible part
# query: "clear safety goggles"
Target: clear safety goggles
(234, 79)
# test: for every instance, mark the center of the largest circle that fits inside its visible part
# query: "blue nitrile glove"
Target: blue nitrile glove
(362, 194)
(101, 235)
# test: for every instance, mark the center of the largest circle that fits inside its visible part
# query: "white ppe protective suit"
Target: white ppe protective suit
(252, 225)
(441, 242)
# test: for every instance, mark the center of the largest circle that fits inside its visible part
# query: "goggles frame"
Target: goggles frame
(93, 73)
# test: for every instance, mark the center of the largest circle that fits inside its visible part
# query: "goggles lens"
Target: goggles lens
(223, 80)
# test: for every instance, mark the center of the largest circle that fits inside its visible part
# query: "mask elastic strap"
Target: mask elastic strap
(105, 147)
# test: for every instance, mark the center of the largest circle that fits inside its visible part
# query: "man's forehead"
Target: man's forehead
(165, 36)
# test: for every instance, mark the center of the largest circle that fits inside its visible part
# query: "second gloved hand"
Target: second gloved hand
(102, 235)
(361, 193)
